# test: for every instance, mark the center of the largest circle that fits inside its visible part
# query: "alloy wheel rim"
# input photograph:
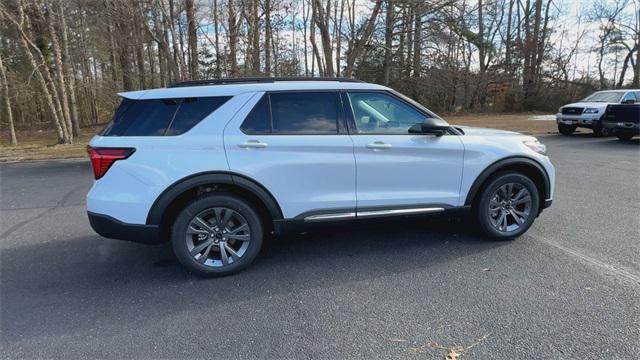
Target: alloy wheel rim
(510, 207)
(218, 237)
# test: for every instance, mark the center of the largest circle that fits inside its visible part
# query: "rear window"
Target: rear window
(161, 117)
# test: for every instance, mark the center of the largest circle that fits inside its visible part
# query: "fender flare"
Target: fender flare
(160, 205)
(503, 163)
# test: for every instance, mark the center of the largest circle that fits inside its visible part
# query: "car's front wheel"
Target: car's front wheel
(600, 131)
(507, 206)
(217, 234)
(566, 129)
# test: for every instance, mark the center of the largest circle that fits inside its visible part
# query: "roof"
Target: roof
(235, 89)
(618, 90)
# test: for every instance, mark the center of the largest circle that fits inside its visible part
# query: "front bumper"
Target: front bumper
(114, 229)
(584, 120)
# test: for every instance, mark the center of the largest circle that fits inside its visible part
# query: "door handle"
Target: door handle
(253, 144)
(379, 145)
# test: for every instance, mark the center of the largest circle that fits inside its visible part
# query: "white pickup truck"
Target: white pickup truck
(588, 113)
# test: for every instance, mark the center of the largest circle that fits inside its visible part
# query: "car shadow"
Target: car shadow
(61, 283)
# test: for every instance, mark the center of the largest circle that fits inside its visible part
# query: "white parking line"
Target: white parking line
(626, 273)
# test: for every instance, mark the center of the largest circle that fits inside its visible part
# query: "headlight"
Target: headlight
(590, 111)
(536, 146)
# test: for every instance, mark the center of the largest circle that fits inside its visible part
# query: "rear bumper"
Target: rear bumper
(622, 127)
(114, 229)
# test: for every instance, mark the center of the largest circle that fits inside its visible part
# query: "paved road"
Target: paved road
(570, 288)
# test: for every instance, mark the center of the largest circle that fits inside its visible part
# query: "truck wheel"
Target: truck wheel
(600, 131)
(507, 206)
(217, 234)
(566, 129)
(624, 136)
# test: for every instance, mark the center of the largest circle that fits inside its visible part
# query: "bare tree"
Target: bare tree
(7, 103)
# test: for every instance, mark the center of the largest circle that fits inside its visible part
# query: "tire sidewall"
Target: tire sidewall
(178, 233)
(482, 210)
(566, 129)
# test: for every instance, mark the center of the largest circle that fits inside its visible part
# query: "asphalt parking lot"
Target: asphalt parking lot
(569, 288)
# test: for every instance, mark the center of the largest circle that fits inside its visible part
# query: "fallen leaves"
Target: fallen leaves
(453, 354)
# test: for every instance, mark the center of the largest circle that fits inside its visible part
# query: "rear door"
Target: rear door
(295, 144)
(396, 169)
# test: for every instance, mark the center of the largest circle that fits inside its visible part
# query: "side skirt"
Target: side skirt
(320, 218)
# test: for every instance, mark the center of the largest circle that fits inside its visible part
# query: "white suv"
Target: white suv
(215, 166)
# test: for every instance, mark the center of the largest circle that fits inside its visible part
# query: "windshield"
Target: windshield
(605, 97)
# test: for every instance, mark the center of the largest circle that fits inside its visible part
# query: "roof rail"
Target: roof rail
(257, 80)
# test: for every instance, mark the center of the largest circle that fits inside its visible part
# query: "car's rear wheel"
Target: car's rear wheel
(566, 129)
(624, 136)
(507, 206)
(217, 234)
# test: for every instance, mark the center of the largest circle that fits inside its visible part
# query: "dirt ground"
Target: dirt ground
(41, 144)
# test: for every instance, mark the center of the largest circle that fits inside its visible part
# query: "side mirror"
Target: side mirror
(429, 129)
(629, 102)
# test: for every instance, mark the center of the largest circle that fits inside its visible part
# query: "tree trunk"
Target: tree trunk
(267, 37)
(233, 39)
(43, 76)
(305, 19)
(255, 37)
(217, 38)
(70, 72)
(7, 103)
(193, 40)
(507, 55)
(62, 90)
(417, 44)
(312, 40)
(388, 42)
(339, 37)
(362, 39)
(322, 20)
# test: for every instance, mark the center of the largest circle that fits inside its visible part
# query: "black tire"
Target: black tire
(179, 237)
(600, 131)
(566, 129)
(481, 206)
(624, 136)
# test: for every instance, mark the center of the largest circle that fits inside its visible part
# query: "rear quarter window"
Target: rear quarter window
(161, 117)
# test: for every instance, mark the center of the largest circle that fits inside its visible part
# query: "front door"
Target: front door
(397, 169)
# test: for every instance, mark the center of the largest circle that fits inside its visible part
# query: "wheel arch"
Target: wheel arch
(169, 203)
(527, 166)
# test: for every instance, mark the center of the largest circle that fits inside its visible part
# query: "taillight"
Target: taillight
(103, 158)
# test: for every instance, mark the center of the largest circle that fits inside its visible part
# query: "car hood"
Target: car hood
(598, 105)
(468, 130)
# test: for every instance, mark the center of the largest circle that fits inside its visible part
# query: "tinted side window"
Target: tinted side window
(192, 111)
(259, 119)
(308, 113)
(142, 118)
(158, 117)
